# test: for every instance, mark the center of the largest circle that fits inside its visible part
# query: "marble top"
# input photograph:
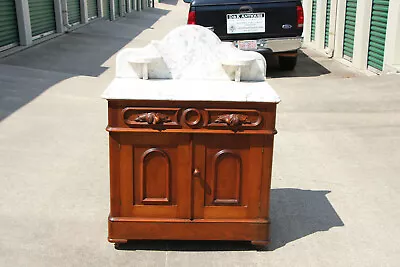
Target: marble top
(190, 64)
(190, 90)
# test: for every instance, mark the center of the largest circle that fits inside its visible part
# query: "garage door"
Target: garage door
(92, 9)
(327, 22)
(43, 19)
(117, 8)
(74, 11)
(8, 24)
(313, 19)
(376, 48)
(349, 29)
(106, 9)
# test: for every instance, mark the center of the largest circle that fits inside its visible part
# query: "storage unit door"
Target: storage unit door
(92, 8)
(43, 18)
(349, 29)
(327, 22)
(313, 19)
(376, 49)
(74, 11)
(8, 24)
(106, 9)
(117, 8)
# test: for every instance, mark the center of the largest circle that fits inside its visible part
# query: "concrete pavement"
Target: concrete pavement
(335, 173)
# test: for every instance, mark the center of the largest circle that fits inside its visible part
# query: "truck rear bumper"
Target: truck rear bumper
(276, 45)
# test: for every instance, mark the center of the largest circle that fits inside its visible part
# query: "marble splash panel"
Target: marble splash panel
(190, 52)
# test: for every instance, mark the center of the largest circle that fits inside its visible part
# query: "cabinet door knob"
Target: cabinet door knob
(196, 172)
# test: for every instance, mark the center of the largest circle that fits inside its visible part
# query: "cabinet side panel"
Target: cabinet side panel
(255, 172)
(114, 174)
(266, 177)
(126, 178)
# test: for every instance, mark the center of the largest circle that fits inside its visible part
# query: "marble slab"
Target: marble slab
(191, 64)
(190, 90)
(191, 52)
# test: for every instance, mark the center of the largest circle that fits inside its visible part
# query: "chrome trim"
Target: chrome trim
(276, 45)
(245, 9)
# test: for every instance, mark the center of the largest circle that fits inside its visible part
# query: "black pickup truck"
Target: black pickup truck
(265, 26)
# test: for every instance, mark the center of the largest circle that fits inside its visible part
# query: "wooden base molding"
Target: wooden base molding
(245, 230)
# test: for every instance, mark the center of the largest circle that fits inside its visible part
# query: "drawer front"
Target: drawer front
(151, 117)
(185, 118)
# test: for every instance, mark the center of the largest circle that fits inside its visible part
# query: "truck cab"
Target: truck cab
(266, 26)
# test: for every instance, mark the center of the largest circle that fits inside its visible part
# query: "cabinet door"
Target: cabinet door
(155, 175)
(227, 176)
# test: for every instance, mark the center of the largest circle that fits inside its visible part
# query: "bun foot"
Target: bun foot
(260, 245)
(117, 242)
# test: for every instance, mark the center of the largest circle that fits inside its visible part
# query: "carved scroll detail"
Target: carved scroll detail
(152, 118)
(233, 119)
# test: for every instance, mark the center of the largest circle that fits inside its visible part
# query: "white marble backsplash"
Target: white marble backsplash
(191, 64)
(190, 52)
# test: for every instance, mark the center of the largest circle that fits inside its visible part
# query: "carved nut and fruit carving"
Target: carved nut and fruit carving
(233, 120)
(152, 118)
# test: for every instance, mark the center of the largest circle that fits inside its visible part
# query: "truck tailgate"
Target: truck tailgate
(264, 18)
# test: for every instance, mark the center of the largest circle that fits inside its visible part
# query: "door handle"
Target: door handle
(196, 172)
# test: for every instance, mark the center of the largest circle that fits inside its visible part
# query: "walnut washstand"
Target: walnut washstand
(190, 160)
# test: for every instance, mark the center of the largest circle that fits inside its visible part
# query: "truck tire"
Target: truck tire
(287, 63)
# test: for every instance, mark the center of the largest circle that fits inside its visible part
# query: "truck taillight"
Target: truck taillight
(192, 17)
(300, 17)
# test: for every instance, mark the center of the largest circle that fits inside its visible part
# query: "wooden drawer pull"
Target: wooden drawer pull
(233, 119)
(152, 118)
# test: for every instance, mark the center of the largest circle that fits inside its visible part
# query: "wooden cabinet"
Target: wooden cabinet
(190, 170)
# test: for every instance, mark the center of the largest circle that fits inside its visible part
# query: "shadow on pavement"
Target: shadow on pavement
(27, 74)
(83, 51)
(306, 67)
(295, 213)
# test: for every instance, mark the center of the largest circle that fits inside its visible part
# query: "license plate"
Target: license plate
(245, 23)
(247, 45)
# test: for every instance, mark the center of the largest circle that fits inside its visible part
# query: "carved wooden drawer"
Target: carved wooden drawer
(196, 117)
(151, 117)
